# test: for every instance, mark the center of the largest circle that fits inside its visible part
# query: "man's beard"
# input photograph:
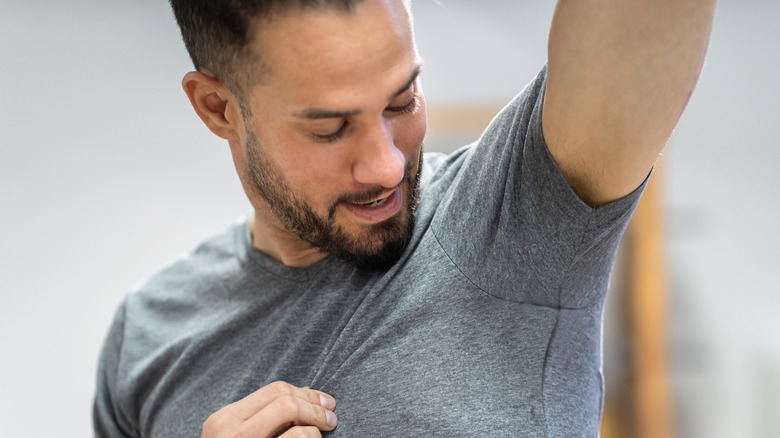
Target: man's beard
(377, 247)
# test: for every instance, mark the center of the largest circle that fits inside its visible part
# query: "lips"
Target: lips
(379, 209)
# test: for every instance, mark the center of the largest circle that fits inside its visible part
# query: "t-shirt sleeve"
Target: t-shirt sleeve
(514, 227)
(107, 417)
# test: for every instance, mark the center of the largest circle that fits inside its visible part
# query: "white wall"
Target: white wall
(107, 174)
(724, 206)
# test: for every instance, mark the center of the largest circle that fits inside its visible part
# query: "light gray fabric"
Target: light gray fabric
(488, 326)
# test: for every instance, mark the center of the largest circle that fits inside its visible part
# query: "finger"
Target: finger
(326, 400)
(287, 412)
(302, 432)
(290, 406)
(258, 400)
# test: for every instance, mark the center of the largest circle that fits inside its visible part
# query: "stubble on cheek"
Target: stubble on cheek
(372, 247)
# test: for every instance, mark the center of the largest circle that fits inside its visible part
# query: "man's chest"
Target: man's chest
(422, 354)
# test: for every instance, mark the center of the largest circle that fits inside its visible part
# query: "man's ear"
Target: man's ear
(214, 104)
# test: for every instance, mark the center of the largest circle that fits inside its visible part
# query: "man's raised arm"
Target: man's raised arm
(620, 73)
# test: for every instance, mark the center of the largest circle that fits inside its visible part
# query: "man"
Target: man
(429, 296)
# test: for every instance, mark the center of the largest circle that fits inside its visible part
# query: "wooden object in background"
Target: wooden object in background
(647, 319)
(467, 119)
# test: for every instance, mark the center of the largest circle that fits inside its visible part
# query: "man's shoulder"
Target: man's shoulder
(190, 280)
(163, 314)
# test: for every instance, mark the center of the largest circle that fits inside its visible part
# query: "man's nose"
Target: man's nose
(379, 161)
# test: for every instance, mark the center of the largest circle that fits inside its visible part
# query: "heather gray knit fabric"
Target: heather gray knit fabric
(490, 324)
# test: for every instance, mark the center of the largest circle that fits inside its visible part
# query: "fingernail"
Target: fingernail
(327, 401)
(331, 419)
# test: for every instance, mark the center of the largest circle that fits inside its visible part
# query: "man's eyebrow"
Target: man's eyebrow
(321, 113)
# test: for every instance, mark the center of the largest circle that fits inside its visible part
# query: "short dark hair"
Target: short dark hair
(217, 33)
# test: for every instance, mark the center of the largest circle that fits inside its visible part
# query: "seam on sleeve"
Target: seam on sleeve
(481, 289)
(575, 255)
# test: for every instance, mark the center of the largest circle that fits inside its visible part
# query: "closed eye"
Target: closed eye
(409, 97)
(406, 108)
(409, 102)
(332, 137)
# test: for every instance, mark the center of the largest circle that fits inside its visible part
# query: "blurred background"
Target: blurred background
(106, 174)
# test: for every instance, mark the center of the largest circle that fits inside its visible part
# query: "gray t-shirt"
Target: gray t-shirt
(489, 325)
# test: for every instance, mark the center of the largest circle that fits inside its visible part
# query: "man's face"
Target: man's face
(333, 145)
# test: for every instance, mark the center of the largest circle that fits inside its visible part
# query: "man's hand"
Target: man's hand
(277, 409)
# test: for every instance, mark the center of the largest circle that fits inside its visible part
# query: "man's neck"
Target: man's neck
(274, 241)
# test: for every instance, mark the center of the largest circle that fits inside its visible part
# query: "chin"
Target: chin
(377, 247)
